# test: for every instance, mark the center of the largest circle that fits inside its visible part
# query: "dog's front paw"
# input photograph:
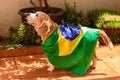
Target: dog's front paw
(51, 69)
(50, 66)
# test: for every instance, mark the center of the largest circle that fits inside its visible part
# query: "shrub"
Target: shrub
(71, 16)
(24, 35)
(107, 20)
(102, 18)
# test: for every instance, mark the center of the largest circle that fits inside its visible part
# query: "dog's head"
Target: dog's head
(40, 21)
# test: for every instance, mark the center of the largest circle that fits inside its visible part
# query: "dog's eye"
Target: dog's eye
(36, 15)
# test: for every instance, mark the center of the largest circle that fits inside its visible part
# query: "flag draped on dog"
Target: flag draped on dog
(71, 48)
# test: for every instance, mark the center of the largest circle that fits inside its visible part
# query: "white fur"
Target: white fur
(50, 66)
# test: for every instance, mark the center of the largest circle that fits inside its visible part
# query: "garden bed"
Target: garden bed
(107, 20)
(19, 51)
(114, 34)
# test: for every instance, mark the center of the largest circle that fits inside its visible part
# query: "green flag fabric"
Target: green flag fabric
(73, 55)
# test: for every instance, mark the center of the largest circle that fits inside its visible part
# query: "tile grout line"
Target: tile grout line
(16, 66)
(111, 68)
(15, 63)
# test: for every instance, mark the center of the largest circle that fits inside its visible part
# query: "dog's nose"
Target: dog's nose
(36, 14)
(27, 14)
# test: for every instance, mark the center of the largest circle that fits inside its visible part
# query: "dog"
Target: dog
(45, 27)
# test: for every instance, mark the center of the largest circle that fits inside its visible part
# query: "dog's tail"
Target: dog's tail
(106, 40)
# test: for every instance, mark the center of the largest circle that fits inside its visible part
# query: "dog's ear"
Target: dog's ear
(44, 28)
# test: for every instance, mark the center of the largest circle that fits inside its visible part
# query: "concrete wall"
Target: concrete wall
(9, 9)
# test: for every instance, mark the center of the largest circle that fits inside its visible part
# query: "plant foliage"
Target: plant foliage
(24, 35)
(102, 18)
(71, 16)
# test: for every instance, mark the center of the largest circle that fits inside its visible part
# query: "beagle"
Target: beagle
(45, 28)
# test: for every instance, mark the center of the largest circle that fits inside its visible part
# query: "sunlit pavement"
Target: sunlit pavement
(34, 67)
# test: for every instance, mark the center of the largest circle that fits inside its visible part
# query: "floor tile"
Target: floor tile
(32, 66)
(58, 77)
(35, 73)
(7, 64)
(30, 57)
(58, 74)
(32, 61)
(37, 78)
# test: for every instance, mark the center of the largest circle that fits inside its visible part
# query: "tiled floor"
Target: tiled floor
(34, 67)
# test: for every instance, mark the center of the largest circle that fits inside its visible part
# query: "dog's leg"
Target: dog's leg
(94, 63)
(50, 66)
(95, 58)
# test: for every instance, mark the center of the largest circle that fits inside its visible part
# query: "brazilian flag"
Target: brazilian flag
(71, 47)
